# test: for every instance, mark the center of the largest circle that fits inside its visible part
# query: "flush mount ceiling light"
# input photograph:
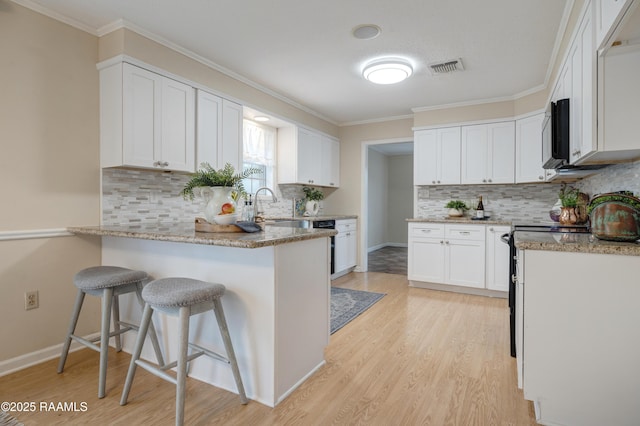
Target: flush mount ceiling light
(261, 118)
(387, 71)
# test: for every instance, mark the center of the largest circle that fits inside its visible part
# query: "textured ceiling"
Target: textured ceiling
(305, 50)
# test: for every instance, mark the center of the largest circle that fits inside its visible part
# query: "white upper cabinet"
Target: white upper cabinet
(436, 156)
(330, 162)
(582, 59)
(146, 120)
(529, 149)
(608, 15)
(219, 131)
(306, 157)
(488, 153)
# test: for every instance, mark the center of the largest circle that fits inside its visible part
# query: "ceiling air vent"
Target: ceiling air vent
(447, 66)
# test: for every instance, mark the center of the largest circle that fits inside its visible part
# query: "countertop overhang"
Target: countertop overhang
(573, 242)
(185, 233)
(461, 220)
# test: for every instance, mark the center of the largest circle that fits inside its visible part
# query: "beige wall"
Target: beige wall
(49, 174)
(130, 43)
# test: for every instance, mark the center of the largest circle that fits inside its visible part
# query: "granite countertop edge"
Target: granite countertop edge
(464, 220)
(265, 238)
(314, 218)
(577, 243)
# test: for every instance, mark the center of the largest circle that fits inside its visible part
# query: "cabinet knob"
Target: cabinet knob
(484, 180)
(446, 242)
(490, 181)
(441, 242)
(165, 164)
(491, 229)
(438, 181)
(540, 177)
(433, 181)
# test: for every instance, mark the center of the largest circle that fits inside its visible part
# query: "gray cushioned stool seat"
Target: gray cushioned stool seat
(107, 283)
(176, 292)
(98, 277)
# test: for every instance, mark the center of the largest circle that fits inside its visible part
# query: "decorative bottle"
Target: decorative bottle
(480, 209)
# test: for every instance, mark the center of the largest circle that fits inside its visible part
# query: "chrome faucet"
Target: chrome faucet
(257, 216)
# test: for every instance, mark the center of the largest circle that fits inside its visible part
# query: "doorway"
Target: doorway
(388, 196)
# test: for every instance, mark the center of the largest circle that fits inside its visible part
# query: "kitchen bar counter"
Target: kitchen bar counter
(276, 303)
(458, 220)
(185, 233)
(577, 243)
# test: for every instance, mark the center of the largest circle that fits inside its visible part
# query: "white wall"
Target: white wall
(400, 198)
(378, 177)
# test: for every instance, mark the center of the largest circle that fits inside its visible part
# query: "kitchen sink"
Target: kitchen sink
(289, 223)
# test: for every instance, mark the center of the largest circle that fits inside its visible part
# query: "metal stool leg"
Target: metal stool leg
(72, 328)
(152, 330)
(107, 300)
(142, 332)
(231, 355)
(116, 322)
(185, 313)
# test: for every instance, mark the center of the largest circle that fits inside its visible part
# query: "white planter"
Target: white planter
(455, 213)
(215, 198)
(312, 208)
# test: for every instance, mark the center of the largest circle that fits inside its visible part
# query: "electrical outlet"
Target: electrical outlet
(31, 300)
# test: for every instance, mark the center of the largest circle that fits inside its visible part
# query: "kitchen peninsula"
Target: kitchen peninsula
(577, 328)
(276, 304)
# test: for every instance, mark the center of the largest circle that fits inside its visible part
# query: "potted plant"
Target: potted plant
(573, 210)
(312, 195)
(456, 208)
(615, 216)
(219, 188)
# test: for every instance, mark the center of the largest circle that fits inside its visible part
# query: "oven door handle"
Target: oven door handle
(505, 238)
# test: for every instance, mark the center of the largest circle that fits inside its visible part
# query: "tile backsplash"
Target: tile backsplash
(143, 196)
(522, 203)
(131, 196)
(617, 177)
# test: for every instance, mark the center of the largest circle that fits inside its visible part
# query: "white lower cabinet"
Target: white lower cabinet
(345, 245)
(459, 255)
(497, 257)
(447, 254)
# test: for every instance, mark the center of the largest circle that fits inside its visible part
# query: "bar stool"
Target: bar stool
(107, 282)
(182, 297)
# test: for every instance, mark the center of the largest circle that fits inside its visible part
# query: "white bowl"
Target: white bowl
(226, 219)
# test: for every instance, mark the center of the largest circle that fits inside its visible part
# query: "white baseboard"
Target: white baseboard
(383, 245)
(33, 358)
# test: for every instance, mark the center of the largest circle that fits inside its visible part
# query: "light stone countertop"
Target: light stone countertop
(463, 220)
(185, 233)
(577, 243)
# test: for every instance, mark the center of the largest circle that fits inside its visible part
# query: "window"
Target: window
(259, 152)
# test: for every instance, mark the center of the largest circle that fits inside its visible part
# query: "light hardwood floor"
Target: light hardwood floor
(417, 357)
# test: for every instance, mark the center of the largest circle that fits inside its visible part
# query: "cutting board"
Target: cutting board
(203, 226)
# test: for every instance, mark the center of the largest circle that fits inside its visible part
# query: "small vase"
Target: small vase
(456, 213)
(311, 208)
(218, 201)
(573, 215)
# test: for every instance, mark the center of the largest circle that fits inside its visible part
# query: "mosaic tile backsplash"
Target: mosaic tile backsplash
(522, 203)
(143, 196)
(618, 177)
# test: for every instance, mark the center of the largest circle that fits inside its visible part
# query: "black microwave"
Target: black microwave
(555, 135)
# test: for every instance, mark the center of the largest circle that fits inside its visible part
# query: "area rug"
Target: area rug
(347, 304)
(8, 420)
